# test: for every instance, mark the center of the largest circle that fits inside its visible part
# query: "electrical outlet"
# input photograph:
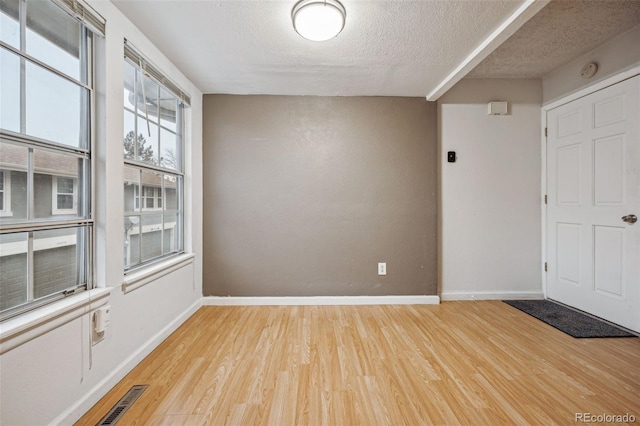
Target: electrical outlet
(382, 268)
(100, 319)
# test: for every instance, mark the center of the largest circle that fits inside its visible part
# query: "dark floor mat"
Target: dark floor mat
(567, 320)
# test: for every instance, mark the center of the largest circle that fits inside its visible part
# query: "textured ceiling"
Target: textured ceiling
(562, 31)
(387, 48)
(399, 48)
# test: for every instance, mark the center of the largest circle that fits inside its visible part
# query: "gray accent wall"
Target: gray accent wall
(303, 196)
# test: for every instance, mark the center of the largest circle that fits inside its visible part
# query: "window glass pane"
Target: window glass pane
(170, 192)
(55, 183)
(170, 233)
(65, 202)
(65, 186)
(2, 191)
(169, 153)
(131, 240)
(129, 136)
(147, 94)
(131, 190)
(55, 107)
(13, 270)
(168, 108)
(129, 82)
(149, 199)
(151, 236)
(53, 37)
(147, 142)
(14, 166)
(9, 22)
(9, 91)
(55, 260)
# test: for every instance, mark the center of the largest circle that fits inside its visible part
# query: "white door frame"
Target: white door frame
(609, 81)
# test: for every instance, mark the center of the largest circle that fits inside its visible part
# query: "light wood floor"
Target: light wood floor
(454, 363)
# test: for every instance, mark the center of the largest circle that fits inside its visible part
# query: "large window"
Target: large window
(46, 225)
(153, 153)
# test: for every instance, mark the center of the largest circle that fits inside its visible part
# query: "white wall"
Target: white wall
(56, 377)
(616, 55)
(490, 231)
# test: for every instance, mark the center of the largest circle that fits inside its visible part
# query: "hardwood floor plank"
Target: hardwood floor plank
(454, 363)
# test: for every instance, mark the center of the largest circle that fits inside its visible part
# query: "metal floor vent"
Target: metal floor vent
(122, 406)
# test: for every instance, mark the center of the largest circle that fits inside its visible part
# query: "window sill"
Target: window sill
(30, 325)
(137, 279)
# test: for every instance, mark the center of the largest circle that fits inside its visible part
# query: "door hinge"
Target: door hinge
(545, 266)
(545, 198)
(545, 132)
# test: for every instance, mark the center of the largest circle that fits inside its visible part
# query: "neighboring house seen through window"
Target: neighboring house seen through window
(5, 193)
(151, 198)
(64, 195)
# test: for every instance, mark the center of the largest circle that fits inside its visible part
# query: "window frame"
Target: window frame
(6, 193)
(136, 217)
(157, 195)
(55, 210)
(90, 27)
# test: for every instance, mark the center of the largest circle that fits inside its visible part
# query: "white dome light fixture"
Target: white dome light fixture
(318, 20)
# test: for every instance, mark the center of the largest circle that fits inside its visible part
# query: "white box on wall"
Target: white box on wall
(497, 108)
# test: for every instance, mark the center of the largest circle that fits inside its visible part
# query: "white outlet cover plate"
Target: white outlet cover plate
(382, 268)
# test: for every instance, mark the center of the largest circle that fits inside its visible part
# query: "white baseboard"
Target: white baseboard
(77, 410)
(320, 300)
(491, 295)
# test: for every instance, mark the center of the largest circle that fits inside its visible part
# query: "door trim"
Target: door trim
(610, 81)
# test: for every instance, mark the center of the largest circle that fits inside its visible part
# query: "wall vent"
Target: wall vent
(122, 406)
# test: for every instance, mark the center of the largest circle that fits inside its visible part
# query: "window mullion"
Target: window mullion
(80, 255)
(30, 186)
(135, 116)
(158, 127)
(84, 96)
(23, 95)
(144, 100)
(30, 269)
(180, 215)
(22, 17)
(84, 58)
(140, 233)
(142, 201)
(161, 189)
(180, 135)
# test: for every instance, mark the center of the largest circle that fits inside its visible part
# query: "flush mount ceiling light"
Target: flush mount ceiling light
(318, 20)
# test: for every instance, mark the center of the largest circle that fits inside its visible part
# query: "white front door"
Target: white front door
(593, 188)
